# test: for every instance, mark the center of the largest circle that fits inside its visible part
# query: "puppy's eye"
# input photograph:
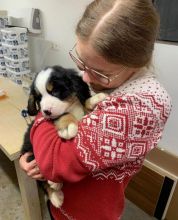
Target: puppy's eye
(49, 87)
(53, 92)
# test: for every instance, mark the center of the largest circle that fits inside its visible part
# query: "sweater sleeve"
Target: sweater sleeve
(56, 157)
(121, 129)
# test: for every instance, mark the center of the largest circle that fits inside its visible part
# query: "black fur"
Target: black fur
(27, 146)
(65, 83)
(69, 83)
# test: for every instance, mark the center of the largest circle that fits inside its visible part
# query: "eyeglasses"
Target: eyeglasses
(95, 74)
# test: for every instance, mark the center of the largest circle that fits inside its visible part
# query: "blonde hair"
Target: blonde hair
(121, 31)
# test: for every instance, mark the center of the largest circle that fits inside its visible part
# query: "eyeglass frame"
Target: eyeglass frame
(90, 70)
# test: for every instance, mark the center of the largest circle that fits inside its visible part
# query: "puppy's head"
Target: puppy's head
(54, 90)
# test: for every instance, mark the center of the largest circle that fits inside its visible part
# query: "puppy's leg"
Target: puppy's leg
(54, 192)
(56, 197)
(67, 126)
(55, 186)
(91, 103)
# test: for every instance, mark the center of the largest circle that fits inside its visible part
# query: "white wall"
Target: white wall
(59, 19)
(166, 62)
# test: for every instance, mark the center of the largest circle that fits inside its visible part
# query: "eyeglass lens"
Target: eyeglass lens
(94, 74)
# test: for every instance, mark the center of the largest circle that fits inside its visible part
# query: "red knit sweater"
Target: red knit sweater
(109, 149)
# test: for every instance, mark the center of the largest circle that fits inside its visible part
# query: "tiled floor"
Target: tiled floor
(10, 201)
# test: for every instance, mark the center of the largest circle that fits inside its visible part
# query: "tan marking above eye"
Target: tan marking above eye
(49, 87)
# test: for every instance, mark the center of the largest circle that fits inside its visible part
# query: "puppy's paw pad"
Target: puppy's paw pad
(69, 132)
(72, 130)
(63, 133)
(56, 198)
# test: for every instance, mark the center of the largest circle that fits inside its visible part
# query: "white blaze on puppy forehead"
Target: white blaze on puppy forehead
(41, 80)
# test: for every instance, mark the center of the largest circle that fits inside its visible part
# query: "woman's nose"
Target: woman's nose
(86, 77)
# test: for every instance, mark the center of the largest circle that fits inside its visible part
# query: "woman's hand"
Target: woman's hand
(31, 168)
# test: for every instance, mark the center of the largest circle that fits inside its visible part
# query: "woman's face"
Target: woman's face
(116, 73)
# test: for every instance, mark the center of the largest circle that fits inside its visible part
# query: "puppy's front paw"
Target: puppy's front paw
(67, 126)
(69, 132)
(91, 103)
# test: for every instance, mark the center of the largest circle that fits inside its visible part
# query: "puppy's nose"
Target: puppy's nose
(47, 112)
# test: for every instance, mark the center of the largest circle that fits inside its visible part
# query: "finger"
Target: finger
(38, 177)
(34, 171)
(27, 154)
(31, 165)
(28, 167)
(24, 163)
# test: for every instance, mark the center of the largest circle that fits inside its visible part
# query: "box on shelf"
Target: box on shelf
(1, 49)
(14, 47)
(19, 65)
(15, 52)
(27, 80)
(16, 76)
(3, 71)
(14, 36)
(2, 61)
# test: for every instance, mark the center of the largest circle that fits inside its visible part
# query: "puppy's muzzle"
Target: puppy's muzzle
(47, 112)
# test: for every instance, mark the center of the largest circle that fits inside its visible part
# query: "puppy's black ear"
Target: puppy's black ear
(31, 107)
(33, 102)
(81, 88)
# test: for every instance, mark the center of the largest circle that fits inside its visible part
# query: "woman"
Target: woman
(115, 41)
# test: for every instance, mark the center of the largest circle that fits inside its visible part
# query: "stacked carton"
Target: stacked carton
(15, 49)
(3, 23)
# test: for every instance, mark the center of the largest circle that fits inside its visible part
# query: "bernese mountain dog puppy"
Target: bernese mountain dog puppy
(62, 96)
